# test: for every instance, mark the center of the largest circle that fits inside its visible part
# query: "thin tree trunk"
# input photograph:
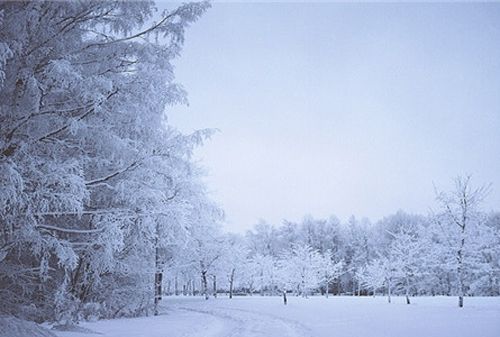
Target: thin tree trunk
(158, 278)
(215, 286)
(389, 291)
(460, 272)
(231, 281)
(303, 287)
(176, 286)
(407, 290)
(204, 283)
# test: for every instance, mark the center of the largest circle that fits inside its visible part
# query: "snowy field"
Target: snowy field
(316, 317)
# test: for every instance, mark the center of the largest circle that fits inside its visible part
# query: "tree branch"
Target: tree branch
(70, 230)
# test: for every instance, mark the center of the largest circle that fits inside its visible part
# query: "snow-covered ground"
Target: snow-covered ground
(315, 317)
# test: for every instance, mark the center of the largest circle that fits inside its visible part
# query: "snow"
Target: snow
(317, 316)
(14, 327)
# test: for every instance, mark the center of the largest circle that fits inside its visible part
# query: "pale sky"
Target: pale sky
(342, 108)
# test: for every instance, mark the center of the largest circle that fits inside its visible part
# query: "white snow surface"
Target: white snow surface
(14, 327)
(258, 316)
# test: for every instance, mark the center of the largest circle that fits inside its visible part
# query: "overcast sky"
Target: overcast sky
(342, 108)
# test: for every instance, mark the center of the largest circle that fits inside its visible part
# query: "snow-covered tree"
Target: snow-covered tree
(88, 162)
(373, 275)
(379, 273)
(263, 239)
(263, 272)
(233, 260)
(329, 269)
(406, 251)
(459, 225)
(205, 246)
(301, 269)
(487, 271)
(357, 251)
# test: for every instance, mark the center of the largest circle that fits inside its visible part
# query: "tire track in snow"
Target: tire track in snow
(248, 323)
(232, 325)
(298, 329)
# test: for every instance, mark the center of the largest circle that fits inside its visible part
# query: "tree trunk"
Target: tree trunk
(460, 271)
(231, 281)
(176, 286)
(158, 279)
(215, 286)
(407, 290)
(204, 283)
(327, 287)
(389, 291)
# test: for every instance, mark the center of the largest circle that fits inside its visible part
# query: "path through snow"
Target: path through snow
(250, 323)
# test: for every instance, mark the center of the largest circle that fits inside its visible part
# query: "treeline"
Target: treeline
(454, 251)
